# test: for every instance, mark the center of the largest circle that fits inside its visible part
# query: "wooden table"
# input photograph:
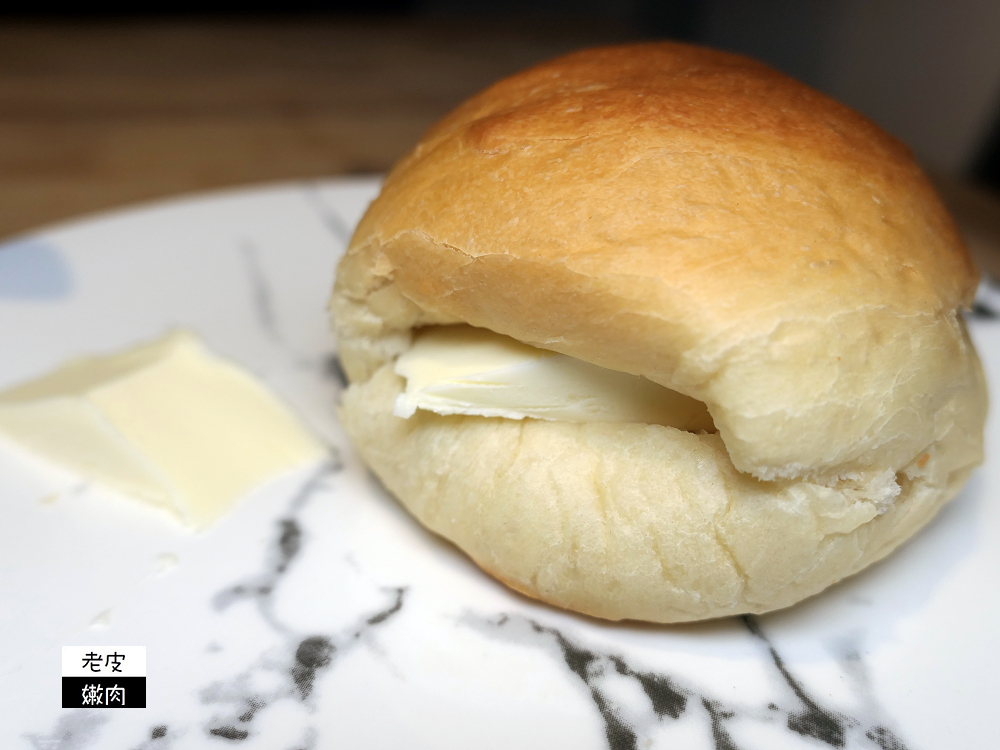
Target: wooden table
(96, 116)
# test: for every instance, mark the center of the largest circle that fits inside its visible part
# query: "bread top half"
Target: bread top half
(694, 217)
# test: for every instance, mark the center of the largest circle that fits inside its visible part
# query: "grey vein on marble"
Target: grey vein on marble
(302, 656)
(339, 229)
(263, 297)
(668, 699)
(986, 305)
(75, 730)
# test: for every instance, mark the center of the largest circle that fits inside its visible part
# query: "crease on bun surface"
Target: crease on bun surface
(720, 229)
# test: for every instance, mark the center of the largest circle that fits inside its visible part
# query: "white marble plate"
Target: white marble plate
(319, 615)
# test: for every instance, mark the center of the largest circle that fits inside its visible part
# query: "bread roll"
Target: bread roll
(699, 219)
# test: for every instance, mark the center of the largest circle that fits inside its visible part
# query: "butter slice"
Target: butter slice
(166, 422)
(465, 370)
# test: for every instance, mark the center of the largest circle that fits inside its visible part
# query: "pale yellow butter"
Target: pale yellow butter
(465, 370)
(166, 422)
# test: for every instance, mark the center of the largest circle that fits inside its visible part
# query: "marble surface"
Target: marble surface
(319, 615)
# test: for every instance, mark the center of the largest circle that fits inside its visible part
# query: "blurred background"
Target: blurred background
(101, 108)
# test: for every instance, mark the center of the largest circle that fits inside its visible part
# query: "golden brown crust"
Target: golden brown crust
(699, 219)
(687, 215)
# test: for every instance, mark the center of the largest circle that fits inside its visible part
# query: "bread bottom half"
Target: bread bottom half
(644, 522)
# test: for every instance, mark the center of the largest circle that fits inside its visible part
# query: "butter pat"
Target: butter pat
(166, 422)
(465, 370)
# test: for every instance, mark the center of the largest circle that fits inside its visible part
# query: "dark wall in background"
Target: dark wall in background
(103, 9)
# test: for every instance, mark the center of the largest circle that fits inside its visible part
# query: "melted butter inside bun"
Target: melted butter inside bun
(465, 370)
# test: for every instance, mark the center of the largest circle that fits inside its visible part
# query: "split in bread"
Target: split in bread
(701, 220)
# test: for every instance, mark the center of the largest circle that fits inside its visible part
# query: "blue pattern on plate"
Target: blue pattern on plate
(32, 268)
